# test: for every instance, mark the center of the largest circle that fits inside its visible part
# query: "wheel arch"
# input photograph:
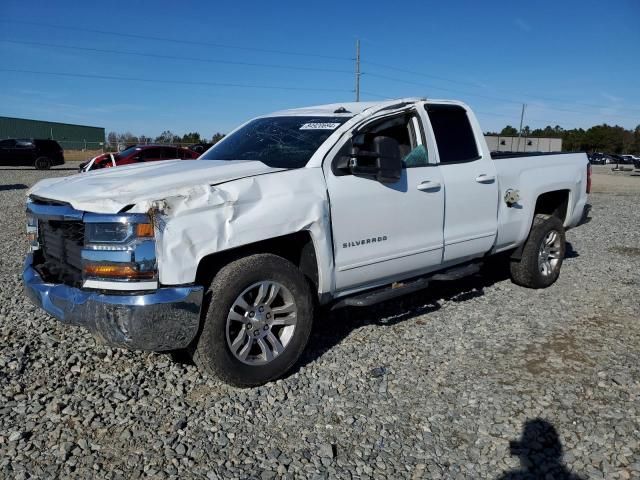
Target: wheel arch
(553, 203)
(297, 247)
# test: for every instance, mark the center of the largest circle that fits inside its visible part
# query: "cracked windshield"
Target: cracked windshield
(281, 142)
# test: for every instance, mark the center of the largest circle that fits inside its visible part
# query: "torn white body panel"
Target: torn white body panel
(208, 206)
(112, 189)
(203, 220)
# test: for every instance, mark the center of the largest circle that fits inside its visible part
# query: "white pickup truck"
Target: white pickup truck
(227, 256)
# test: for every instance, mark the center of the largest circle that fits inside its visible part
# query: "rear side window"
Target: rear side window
(151, 154)
(47, 145)
(453, 132)
(169, 153)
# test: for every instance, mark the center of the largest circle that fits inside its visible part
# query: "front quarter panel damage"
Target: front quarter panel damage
(201, 220)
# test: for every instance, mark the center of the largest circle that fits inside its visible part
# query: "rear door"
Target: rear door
(470, 183)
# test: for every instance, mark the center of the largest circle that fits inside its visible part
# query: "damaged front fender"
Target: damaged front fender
(201, 220)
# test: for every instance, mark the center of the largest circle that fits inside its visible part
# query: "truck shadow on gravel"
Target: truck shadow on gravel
(332, 327)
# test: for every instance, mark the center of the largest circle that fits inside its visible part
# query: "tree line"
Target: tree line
(167, 137)
(600, 138)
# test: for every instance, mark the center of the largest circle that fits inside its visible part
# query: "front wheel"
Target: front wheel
(542, 254)
(258, 320)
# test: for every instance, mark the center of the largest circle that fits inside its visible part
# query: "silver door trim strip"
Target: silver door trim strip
(390, 257)
(475, 237)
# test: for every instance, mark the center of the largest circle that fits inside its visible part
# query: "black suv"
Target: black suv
(42, 154)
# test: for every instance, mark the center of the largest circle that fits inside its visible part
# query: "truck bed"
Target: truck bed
(531, 177)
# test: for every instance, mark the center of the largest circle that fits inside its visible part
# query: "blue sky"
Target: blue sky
(574, 63)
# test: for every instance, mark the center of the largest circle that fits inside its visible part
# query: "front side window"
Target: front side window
(454, 135)
(127, 151)
(280, 142)
(405, 130)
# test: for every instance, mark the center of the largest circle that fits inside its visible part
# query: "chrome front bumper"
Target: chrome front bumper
(165, 319)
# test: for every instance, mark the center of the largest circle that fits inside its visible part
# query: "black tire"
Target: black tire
(43, 163)
(527, 272)
(212, 352)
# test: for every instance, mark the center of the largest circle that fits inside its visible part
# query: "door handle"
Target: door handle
(484, 178)
(428, 185)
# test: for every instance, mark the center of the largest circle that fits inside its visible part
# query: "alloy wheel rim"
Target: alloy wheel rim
(549, 253)
(261, 323)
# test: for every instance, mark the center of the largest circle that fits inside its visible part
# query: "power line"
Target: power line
(410, 82)
(178, 82)
(175, 40)
(412, 72)
(176, 57)
(450, 80)
(514, 116)
(314, 55)
(488, 97)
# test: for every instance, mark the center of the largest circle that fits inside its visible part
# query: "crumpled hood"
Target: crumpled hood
(110, 190)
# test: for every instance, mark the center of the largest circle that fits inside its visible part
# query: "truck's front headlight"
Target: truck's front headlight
(119, 251)
(32, 232)
(116, 236)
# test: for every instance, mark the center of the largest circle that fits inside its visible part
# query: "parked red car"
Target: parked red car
(137, 154)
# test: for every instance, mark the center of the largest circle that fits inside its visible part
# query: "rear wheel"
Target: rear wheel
(257, 323)
(43, 163)
(542, 255)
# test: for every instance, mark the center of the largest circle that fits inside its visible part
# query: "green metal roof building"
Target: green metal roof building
(68, 135)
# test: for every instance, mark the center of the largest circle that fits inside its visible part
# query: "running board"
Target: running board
(456, 273)
(371, 297)
(380, 295)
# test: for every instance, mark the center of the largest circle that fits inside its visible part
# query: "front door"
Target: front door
(382, 231)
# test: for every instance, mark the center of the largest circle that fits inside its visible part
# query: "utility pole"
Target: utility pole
(358, 70)
(524, 105)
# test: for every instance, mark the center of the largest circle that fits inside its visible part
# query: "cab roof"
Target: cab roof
(345, 109)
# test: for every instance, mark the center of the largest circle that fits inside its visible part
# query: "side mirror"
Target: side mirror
(383, 162)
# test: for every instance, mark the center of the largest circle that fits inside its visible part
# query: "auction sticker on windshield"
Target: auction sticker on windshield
(319, 126)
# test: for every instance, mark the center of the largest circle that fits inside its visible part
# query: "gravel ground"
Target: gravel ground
(473, 379)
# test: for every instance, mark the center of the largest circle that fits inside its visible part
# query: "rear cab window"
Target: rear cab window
(454, 135)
